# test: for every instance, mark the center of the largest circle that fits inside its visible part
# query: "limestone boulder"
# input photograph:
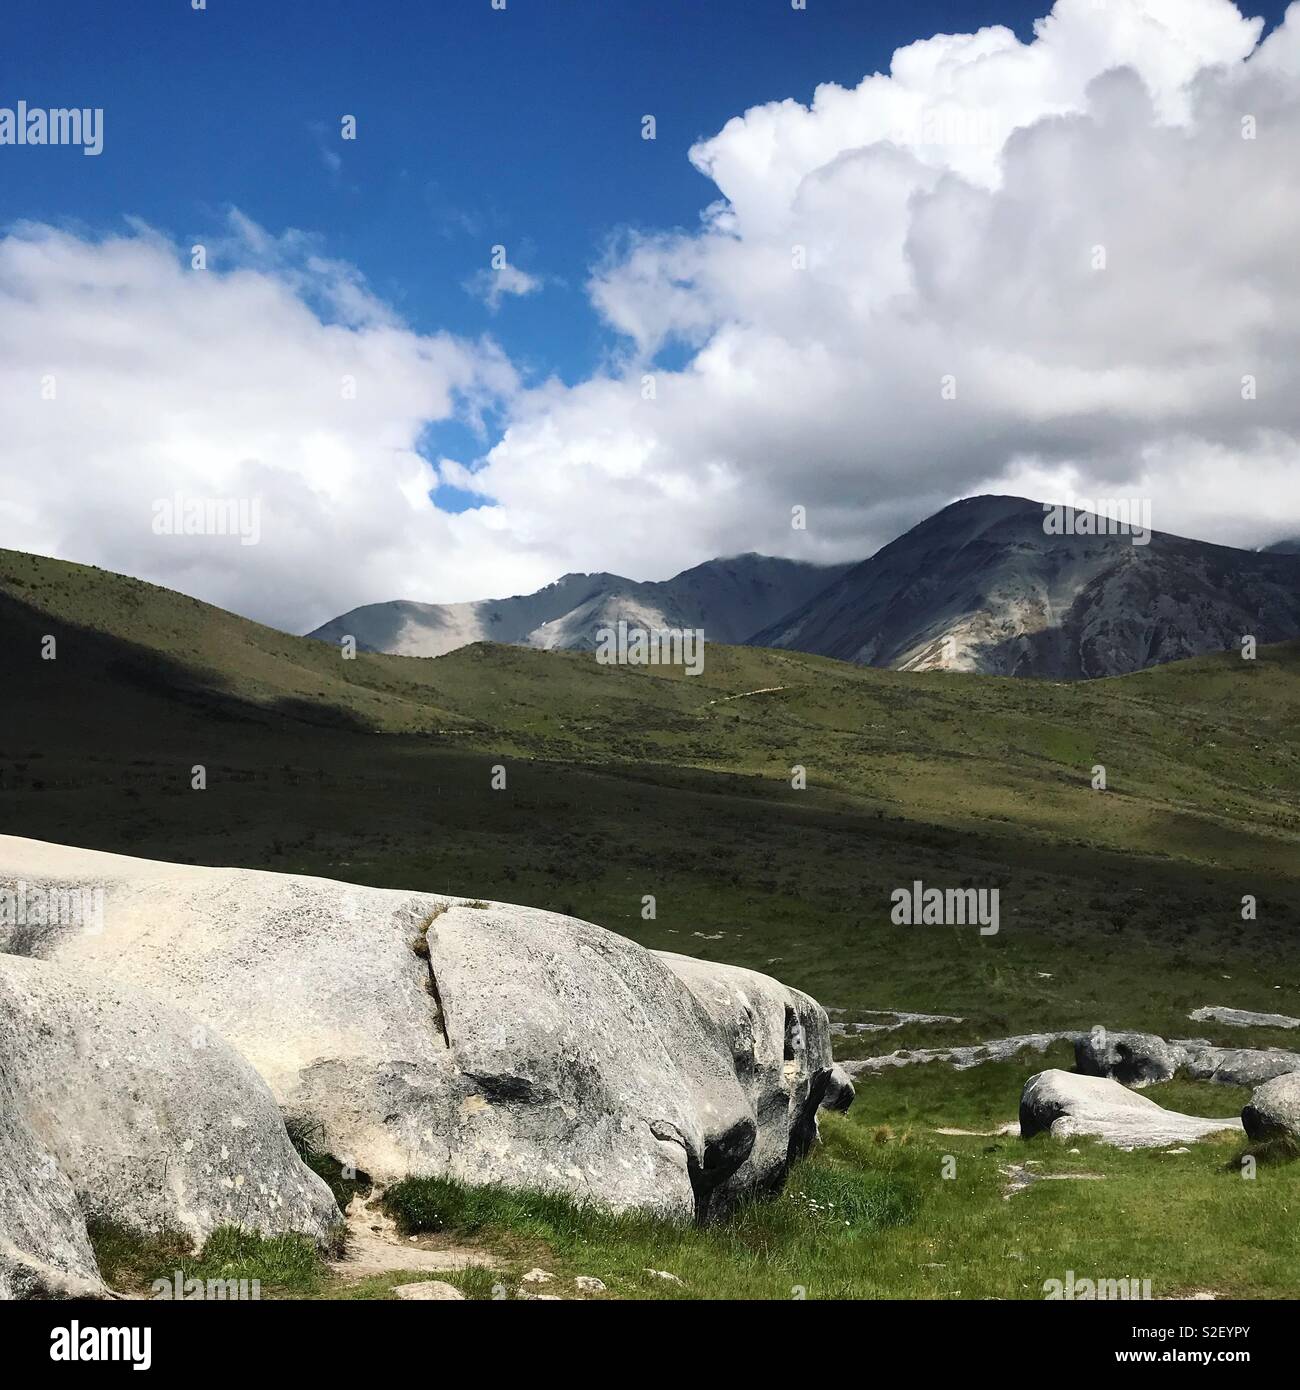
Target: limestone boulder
(118, 1107)
(44, 1249)
(1134, 1059)
(421, 1034)
(1236, 1066)
(1273, 1111)
(779, 1041)
(1242, 1018)
(1065, 1104)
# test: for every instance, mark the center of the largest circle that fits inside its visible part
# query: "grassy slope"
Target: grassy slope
(1119, 907)
(1213, 741)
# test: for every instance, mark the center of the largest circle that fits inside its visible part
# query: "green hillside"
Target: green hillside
(1202, 758)
(120, 631)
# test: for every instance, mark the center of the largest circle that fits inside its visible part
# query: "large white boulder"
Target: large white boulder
(115, 1106)
(420, 1034)
(1065, 1104)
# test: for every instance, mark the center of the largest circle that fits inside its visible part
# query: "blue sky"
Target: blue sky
(475, 127)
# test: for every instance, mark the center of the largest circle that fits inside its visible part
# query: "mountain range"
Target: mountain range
(731, 599)
(979, 586)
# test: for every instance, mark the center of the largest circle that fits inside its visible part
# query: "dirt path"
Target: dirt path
(374, 1246)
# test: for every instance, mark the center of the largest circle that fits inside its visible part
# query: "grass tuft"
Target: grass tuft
(308, 1138)
(131, 1261)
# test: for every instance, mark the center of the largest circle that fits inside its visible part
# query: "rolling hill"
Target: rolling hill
(1203, 756)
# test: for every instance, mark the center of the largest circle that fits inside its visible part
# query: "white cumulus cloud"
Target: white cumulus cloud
(128, 378)
(1091, 237)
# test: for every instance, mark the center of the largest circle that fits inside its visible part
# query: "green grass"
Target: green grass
(869, 1215)
(130, 1260)
(829, 1207)
(285, 1266)
(1120, 908)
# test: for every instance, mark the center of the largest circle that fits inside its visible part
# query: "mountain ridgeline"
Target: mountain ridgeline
(982, 586)
(729, 598)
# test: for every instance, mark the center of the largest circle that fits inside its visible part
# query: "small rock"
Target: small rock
(430, 1289)
(1274, 1109)
(1019, 1178)
(590, 1284)
(538, 1276)
(1242, 1018)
